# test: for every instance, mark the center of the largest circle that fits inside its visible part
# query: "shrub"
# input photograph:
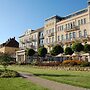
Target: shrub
(85, 64)
(5, 60)
(9, 73)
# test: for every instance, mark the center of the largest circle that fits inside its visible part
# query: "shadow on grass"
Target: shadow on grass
(56, 75)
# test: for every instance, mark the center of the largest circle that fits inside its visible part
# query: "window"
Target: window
(84, 20)
(52, 39)
(62, 37)
(71, 26)
(73, 23)
(80, 34)
(78, 22)
(85, 33)
(62, 27)
(66, 36)
(74, 34)
(81, 21)
(58, 38)
(66, 27)
(70, 36)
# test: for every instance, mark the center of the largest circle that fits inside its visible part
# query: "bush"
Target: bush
(72, 62)
(85, 64)
(9, 73)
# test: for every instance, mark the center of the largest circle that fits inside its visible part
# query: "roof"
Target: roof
(76, 13)
(55, 16)
(10, 43)
(38, 30)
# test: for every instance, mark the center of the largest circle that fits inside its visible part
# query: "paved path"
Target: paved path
(52, 85)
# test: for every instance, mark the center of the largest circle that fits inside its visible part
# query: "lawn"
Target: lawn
(18, 84)
(76, 78)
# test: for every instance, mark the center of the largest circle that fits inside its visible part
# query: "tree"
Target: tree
(42, 51)
(56, 50)
(77, 47)
(68, 51)
(87, 50)
(5, 60)
(30, 53)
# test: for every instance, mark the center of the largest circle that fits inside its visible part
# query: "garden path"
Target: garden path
(52, 85)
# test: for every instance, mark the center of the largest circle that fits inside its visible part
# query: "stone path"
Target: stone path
(52, 85)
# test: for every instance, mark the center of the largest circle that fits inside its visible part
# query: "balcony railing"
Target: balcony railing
(73, 29)
(41, 37)
(81, 39)
(33, 39)
(51, 34)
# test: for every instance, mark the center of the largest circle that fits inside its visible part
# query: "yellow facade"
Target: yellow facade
(71, 28)
(9, 50)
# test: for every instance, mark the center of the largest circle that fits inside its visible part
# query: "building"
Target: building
(68, 29)
(59, 30)
(50, 34)
(10, 47)
(31, 39)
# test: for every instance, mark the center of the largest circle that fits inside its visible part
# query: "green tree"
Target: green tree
(68, 51)
(87, 48)
(56, 50)
(30, 53)
(42, 51)
(5, 60)
(77, 47)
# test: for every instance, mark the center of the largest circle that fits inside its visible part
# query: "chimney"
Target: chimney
(14, 38)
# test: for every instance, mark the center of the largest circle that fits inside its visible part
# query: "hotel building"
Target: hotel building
(31, 39)
(59, 30)
(68, 29)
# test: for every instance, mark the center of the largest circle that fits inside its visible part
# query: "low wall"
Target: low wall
(76, 68)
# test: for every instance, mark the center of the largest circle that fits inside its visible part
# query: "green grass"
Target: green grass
(18, 84)
(76, 78)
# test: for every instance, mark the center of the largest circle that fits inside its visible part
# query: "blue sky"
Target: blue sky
(18, 15)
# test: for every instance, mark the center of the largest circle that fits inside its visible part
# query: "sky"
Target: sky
(16, 16)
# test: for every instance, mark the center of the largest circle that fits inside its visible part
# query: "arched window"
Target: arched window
(85, 33)
(62, 37)
(70, 36)
(66, 36)
(80, 34)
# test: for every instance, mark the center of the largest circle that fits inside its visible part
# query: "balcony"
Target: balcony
(51, 34)
(51, 44)
(81, 39)
(33, 39)
(75, 28)
(41, 37)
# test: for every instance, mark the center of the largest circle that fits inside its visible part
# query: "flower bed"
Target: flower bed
(72, 62)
